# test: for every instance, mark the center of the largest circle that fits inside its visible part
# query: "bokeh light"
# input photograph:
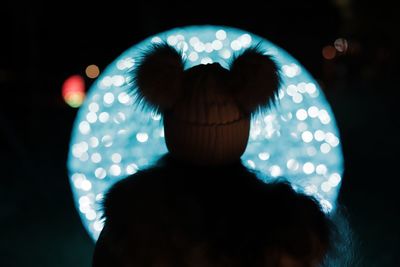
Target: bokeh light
(329, 52)
(73, 91)
(298, 139)
(92, 71)
(341, 45)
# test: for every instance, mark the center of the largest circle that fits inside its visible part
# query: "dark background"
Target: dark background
(42, 44)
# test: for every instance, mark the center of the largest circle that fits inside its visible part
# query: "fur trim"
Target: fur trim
(255, 80)
(158, 77)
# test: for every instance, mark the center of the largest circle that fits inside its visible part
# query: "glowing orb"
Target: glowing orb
(329, 52)
(111, 139)
(92, 71)
(73, 91)
(341, 45)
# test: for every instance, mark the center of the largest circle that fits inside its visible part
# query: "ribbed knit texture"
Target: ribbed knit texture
(206, 126)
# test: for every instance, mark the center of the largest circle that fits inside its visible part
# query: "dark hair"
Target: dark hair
(174, 215)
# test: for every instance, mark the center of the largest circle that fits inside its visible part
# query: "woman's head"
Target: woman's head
(206, 108)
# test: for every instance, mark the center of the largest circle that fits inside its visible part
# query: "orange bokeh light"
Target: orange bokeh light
(329, 52)
(92, 71)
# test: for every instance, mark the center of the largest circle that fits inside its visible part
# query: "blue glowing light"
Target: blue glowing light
(111, 139)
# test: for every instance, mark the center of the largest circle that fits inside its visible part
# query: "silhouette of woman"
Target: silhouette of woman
(199, 206)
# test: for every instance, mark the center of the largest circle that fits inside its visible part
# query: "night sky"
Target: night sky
(42, 44)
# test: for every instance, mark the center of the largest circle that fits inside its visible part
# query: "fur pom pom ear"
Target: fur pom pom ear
(158, 77)
(255, 80)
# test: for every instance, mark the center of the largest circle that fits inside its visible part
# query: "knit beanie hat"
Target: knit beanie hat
(206, 109)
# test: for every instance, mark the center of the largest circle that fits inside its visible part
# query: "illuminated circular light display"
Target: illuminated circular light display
(112, 139)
